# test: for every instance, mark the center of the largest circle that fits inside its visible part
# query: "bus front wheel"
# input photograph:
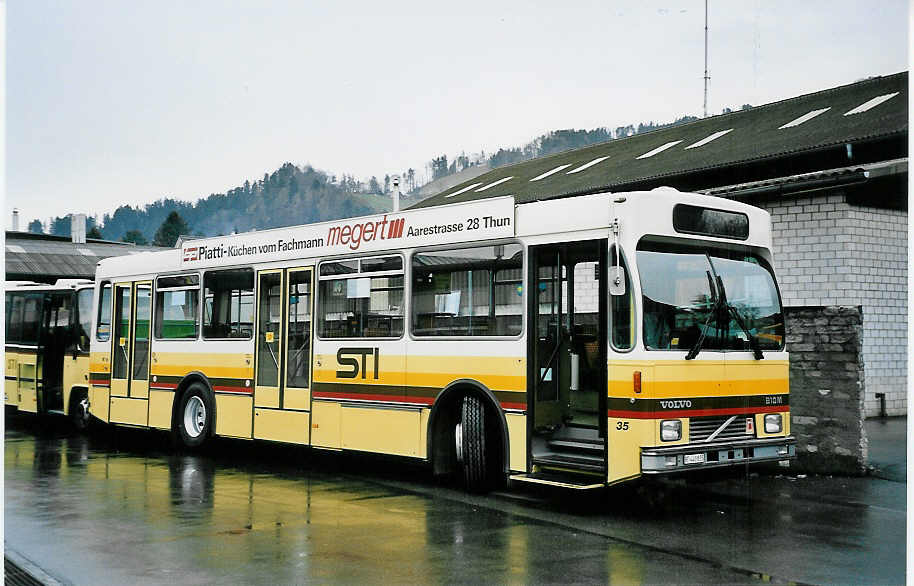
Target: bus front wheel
(195, 416)
(470, 443)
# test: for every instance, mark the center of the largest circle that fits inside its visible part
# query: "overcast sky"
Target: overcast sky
(126, 102)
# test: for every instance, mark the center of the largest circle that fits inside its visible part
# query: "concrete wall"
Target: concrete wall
(828, 252)
(827, 388)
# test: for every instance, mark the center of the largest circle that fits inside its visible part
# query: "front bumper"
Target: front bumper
(663, 460)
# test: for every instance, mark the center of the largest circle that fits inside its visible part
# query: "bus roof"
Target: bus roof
(60, 284)
(475, 221)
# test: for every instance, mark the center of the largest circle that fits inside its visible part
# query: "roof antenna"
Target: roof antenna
(707, 77)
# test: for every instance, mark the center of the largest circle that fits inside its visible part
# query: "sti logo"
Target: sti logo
(192, 253)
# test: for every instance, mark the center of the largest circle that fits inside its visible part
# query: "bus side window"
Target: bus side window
(366, 303)
(14, 330)
(622, 320)
(229, 304)
(103, 326)
(84, 313)
(31, 319)
(176, 307)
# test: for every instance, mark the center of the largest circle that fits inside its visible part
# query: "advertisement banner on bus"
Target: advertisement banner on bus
(469, 222)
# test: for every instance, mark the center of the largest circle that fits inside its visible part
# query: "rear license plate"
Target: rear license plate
(693, 459)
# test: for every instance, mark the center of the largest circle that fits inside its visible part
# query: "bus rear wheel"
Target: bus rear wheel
(470, 443)
(79, 410)
(194, 417)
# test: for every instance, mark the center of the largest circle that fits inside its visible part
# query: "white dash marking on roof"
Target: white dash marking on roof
(550, 172)
(494, 183)
(15, 248)
(659, 149)
(588, 165)
(804, 118)
(708, 139)
(86, 252)
(870, 104)
(467, 188)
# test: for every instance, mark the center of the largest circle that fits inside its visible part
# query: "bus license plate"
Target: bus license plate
(693, 459)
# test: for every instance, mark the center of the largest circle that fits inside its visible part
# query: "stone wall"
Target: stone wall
(827, 388)
(829, 252)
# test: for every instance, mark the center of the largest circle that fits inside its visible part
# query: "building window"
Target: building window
(361, 298)
(176, 307)
(228, 304)
(468, 291)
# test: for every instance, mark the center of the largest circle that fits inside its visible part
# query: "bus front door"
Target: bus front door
(282, 395)
(130, 353)
(568, 337)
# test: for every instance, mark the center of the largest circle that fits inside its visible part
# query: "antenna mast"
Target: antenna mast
(707, 77)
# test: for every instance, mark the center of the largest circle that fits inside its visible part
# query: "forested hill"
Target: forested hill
(289, 196)
(300, 195)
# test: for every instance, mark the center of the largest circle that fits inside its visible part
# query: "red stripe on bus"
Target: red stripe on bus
(237, 390)
(164, 386)
(696, 412)
(396, 399)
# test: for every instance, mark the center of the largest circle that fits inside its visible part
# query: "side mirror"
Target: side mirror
(616, 281)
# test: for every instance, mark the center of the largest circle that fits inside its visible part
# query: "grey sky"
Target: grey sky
(126, 102)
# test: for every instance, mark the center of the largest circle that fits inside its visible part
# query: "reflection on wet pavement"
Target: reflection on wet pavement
(124, 508)
(127, 510)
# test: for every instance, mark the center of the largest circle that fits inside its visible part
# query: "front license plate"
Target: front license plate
(693, 459)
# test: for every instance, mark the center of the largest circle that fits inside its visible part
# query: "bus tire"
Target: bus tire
(471, 444)
(79, 410)
(194, 419)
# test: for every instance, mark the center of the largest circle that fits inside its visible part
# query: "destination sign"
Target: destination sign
(466, 222)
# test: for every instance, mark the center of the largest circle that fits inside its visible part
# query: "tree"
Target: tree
(134, 236)
(173, 226)
(35, 227)
(373, 185)
(94, 232)
(60, 226)
(386, 183)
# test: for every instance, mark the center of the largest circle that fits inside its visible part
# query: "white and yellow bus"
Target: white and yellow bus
(47, 348)
(579, 342)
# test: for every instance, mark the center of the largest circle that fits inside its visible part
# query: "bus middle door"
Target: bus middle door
(282, 395)
(130, 353)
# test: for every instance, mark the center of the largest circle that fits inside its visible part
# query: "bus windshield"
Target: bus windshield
(680, 298)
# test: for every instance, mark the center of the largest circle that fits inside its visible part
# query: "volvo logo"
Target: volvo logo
(679, 404)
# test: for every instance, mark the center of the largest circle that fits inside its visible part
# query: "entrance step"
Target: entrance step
(593, 446)
(576, 462)
(55, 412)
(553, 480)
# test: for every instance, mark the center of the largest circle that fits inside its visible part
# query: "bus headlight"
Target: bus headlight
(774, 423)
(670, 430)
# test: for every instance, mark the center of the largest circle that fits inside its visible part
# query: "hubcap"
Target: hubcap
(84, 410)
(194, 416)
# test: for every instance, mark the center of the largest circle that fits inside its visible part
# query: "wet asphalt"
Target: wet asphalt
(125, 507)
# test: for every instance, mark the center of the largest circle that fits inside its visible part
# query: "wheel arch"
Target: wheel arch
(444, 411)
(189, 379)
(74, 392)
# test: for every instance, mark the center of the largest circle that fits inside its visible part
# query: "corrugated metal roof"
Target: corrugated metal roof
(859, 112)
(43, 257)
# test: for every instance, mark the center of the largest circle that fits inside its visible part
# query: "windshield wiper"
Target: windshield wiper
(753, 341)
(715, 308)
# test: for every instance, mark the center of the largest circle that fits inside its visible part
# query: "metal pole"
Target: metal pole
(706, 59)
